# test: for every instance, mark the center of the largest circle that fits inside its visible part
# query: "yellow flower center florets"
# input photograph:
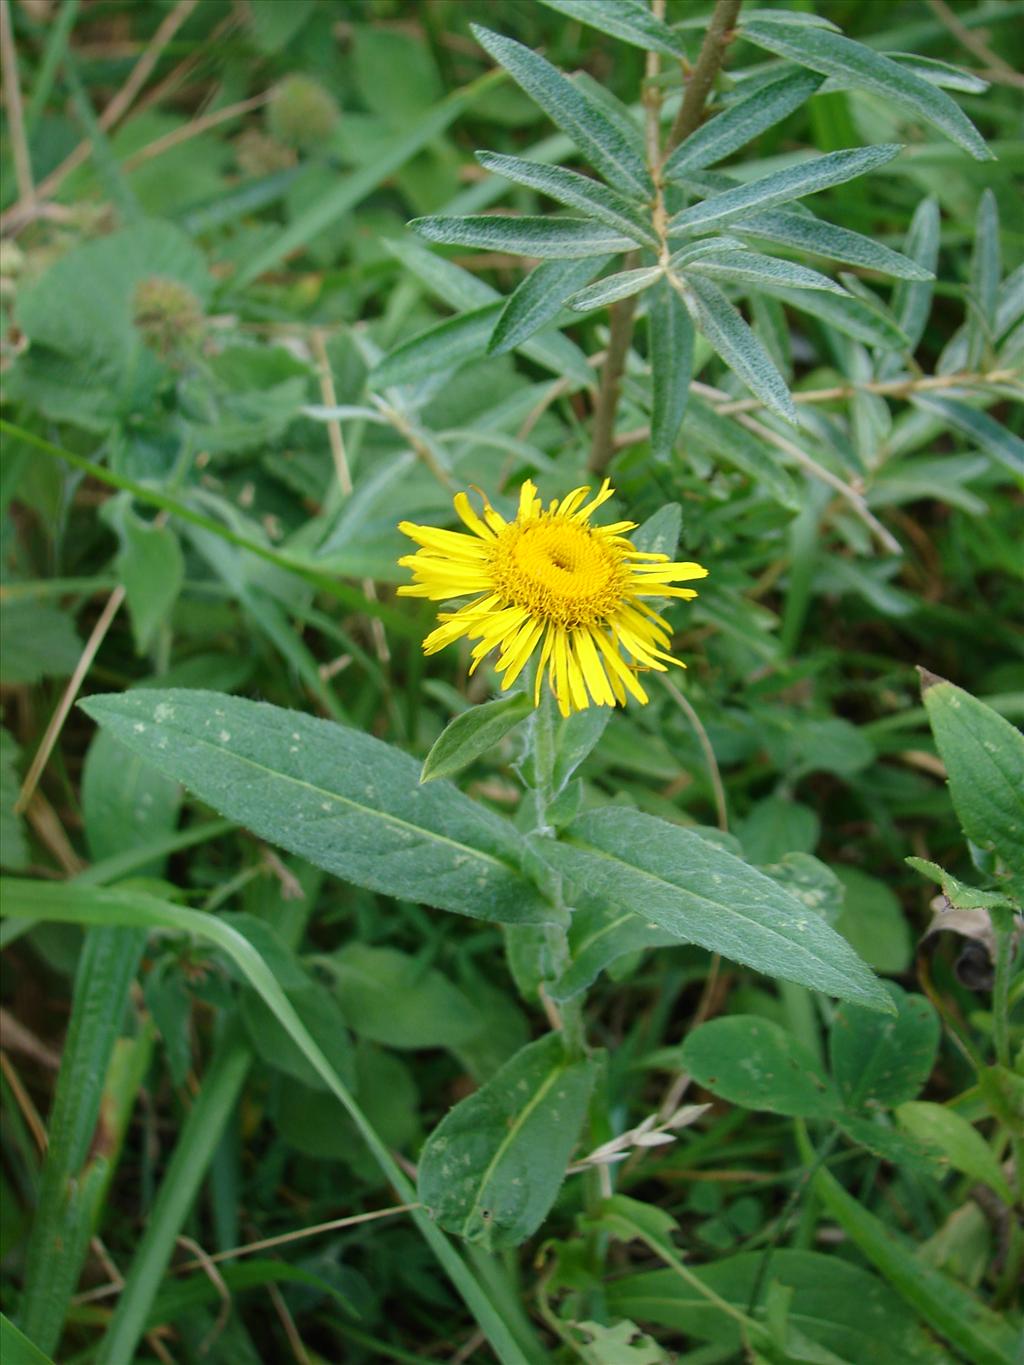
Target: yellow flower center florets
(558, 570)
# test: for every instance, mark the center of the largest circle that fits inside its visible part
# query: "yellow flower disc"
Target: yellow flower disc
(549, 580)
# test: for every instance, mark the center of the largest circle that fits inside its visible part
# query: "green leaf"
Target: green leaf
(590, 197)
(721, 438)
(960, 895)
(445, 346)
(126, 803)
(599, 935)
(576, 113)
(614, 287)
(700, 893)
(550, 238)
(834, 55)
(151, 567)
(806, 233)
(961, 1145)
(755, 1063)
(882, 1060)
(319, 1014)
(912, 299)
(341, 799)
(14, 852)
(984, 758)
(981, 429)
(750, 267)
(468, 736)
(391, 998)
(982, 1336)
(539, 298)
(741, 122)
(839, 1304)
(723, 325)
(630, 20)
(781, 187)
(671, 356)
(873, 922)
(15, 1347)
(39, 642)
(491, 1169)
(869, 324)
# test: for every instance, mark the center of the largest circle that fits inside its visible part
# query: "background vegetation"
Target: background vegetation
(229, 370)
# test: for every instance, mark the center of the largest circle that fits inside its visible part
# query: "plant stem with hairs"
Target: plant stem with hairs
(698, 87)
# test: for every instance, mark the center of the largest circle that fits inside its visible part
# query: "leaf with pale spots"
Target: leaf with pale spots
(341, 799)
(755, 1063)
(880, 1061)
(492, 1168)
(703, 894)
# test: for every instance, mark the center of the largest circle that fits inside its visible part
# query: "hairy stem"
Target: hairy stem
(621, 314)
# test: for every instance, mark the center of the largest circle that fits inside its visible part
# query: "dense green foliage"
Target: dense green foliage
(688, 1030)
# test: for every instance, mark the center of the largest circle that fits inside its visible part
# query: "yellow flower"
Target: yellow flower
(550, 581)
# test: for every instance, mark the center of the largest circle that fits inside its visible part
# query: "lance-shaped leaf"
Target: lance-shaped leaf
(598, 936)
(986, 272)
(856, 317)
(755, 1063)
(491, 1169)
(566, 104)
(445, 346)
(741, 122)
(630, 20)
(912, 299)
(720, 438)
(550, 238)
(834, 55)
(781, 187)
(472, 734)
(807, 233)
(671, 355)
(702, 894)
(984, 758)
(339, 798)
(988, 434)
(751, 267)
(738, 345)
(539, 298)
(621, 286)
(576, 192)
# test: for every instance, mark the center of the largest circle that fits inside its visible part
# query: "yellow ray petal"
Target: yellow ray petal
(468, 514)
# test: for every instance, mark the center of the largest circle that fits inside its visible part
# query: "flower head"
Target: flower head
(551, 582)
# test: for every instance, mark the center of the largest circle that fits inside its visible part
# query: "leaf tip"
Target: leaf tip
(928, 679)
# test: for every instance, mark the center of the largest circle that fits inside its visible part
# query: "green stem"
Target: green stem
(1001, 991)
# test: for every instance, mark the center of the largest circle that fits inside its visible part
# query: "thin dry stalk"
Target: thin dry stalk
(710, 760)
(996, 69)
(15, 112)
(190, 130)
(21, 213)
(42, 755)
(343, 473)
(24, 1102)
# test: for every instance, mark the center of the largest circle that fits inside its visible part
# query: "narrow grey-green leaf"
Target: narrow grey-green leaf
(568, 238)
(984, 758)
(670, 333)
(755, 1063)
(723, 438)
(781, 187)
(852, 316)
(696, 890)
(834, 55)
(986, 272)
(577, 192)
(341, 799)
(807, 233)
(741, 122)
(472, 734)
(630, 20)
(539, 298)
(491, 1169)
(882, 1060)
(943, 74)
(445, 346)
(611, 154)
(738, 346)
(614, 287)
(988, 434)
(709, 246)
(912, 299)
(751, 267)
